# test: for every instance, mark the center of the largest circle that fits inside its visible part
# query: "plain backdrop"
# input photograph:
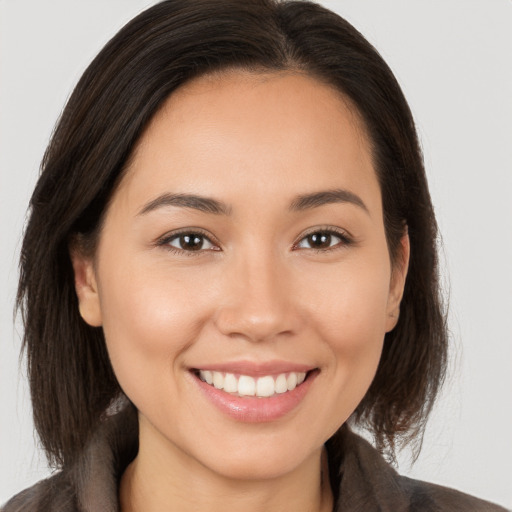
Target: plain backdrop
(453, 59)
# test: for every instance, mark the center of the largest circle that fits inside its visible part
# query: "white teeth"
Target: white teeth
(230, 383)
(218, 380)
(246, 385)
(281, 386)
(265, 386)
(291, 381)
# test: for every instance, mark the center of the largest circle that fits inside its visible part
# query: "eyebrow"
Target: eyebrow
(216, 207)
(201, 203)
(316, 199)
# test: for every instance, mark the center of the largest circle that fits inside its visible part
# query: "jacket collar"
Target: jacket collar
(361, 479)
(366, 481)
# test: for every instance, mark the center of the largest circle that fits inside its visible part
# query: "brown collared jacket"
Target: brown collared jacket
(362, 481)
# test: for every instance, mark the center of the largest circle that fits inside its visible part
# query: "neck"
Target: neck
(167, 480)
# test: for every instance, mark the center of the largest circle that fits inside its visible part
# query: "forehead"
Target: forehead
(257, 130)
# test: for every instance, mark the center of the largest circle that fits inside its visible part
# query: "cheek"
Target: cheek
(350, 303)
(149, 320)
(350, 316)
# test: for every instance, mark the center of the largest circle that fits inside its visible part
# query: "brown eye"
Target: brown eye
(323, 240)
(190, 242)
(319, 240)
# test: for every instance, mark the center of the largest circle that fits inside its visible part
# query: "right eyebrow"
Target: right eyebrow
(201, 203)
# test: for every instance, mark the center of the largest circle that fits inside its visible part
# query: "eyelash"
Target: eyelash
(167, 239)
(346, 240)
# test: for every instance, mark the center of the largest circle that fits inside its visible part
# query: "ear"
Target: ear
(397, 284)
(85, 285)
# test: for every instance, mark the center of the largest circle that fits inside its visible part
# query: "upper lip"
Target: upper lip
(256, 369)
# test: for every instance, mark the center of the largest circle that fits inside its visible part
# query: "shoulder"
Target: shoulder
(366, 482)
(54, 493)
(90, 483)
(424, 496)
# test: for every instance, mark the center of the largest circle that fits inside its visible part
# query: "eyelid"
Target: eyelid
(164, 240)
(345, 236)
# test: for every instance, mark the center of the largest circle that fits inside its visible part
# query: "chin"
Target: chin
(258, 467)
(259, 457)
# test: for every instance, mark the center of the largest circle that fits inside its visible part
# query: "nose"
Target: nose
(258, 301)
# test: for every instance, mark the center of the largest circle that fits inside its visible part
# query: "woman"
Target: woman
(230, 258)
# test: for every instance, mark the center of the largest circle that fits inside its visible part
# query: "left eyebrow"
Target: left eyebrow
(317, 199)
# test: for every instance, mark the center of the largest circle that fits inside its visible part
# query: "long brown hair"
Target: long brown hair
(72, 381)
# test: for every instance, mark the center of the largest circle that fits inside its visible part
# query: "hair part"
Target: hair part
(71, 379)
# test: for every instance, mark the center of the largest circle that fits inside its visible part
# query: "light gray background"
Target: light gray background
(454, 61)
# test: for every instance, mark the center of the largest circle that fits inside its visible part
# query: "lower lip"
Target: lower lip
(252, 409)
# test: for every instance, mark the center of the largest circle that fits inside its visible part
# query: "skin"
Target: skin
(257, 290)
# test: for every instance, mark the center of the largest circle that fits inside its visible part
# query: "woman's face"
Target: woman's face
(245, 245)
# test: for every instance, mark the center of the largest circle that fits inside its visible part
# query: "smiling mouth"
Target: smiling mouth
(264, 386)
